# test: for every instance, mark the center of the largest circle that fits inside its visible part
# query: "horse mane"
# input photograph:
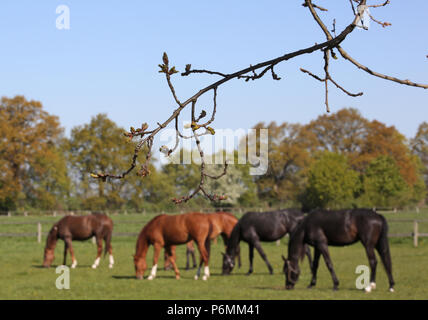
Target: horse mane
(52, 235)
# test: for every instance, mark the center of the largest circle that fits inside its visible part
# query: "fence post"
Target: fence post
(39, 232)
(415, 233)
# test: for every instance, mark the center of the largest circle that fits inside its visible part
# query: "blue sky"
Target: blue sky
(108, 60)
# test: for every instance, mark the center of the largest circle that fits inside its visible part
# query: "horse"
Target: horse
(322, 228)
(80, 228)
(166, 231)
(254, 227)
(223, 224)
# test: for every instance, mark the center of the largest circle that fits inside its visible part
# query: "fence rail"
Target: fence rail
(415, 234)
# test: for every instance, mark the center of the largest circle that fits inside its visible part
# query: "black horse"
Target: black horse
(322, 228)
(254, 227)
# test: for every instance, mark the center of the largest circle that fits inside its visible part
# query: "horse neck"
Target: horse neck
(296, 245)
(233, 241)
(142, 246)
(52, 239)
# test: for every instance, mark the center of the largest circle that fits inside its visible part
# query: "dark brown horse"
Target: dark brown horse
(322, 228)
(222, 224)
(166, 231)
(80, 228)
(255, 227)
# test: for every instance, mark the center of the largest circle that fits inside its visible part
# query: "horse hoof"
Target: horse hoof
(94, 266)
(150, 277)
(391, 290)
(110, 266)
(205, 278)
(196, 277)
(177, 277)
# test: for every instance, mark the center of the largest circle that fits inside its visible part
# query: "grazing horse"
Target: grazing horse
(80, 228)
(166, 231)
(222, 224)
(339, 228)
(254, 227)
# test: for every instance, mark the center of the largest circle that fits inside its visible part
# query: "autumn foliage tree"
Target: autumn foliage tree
(32, 165)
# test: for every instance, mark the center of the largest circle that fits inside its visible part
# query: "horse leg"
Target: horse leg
(170, 252)
(204, 253)
(65, 253)
(314, 267)
(70, 247)
(263, 255)
(308, 253)
(238, 252)
(167, 263)
(324, 251)
(99, 251)
(383, 248)
(251, 257)
(373, 263)
(190, 251)
(109, 249)
(157, 250)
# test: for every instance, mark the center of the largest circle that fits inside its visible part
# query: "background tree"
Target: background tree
(420, 147)
(33, 168)
(332, 183)
(97, 147)
(288, 160)
(383, 184)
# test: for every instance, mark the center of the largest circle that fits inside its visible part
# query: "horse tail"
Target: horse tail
(382, 247)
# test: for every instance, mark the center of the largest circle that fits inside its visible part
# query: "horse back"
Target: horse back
(265, 226)
(341, 227)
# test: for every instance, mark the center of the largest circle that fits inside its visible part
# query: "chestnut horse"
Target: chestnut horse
(80, 228)
(223, 224)
(166, 231)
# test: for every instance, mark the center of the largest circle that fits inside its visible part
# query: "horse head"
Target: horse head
(48, 257)
(49, 253)
(228, 264)
(140, 266)
(292, 272)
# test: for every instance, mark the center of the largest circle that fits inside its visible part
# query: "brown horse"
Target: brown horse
(165, 231)
(222, 223)
(80, 228)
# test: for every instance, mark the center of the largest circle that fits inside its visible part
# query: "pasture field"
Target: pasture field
(22, 277)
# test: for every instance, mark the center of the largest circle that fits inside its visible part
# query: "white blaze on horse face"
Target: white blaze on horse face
(74, 264)
(153, 273)
(111, 260)
(96, 263)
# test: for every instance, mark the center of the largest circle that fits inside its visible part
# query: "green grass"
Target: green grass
(21, 276)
